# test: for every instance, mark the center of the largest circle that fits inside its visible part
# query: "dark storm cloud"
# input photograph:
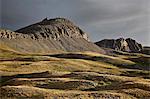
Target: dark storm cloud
(100, 18)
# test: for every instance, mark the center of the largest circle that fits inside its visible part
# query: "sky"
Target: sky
(100, 19)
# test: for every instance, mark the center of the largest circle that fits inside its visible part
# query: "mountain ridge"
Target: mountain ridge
(58, 34)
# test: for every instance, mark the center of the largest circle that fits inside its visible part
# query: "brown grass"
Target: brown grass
(88, 75)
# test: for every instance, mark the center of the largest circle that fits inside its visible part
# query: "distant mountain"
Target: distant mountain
(121, 44)
(51, 35)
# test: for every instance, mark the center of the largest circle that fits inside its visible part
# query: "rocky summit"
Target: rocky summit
(49, 35)
(53, 29)
(121, 44)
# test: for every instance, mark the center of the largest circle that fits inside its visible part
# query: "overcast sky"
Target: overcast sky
(99, 18)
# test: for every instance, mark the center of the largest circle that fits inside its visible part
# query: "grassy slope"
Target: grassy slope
(83, 74)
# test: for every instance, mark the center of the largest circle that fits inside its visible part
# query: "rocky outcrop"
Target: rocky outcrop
(52, 35)
(7, 34)
(133, 45)
(121, 44)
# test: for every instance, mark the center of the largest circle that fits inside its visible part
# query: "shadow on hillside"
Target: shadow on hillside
(120, 85)
(74, 75)
(138, 65)
(26, 59)
(45, 74)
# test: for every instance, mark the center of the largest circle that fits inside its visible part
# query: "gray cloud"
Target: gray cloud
(99, 18)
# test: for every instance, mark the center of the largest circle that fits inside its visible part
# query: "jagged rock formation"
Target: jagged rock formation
(57, 34)
(7, 34)
(121, 44)
(133, 45)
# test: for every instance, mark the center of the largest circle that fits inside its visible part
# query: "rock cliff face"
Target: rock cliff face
(134, 46)
(52, 35)
(121, 44)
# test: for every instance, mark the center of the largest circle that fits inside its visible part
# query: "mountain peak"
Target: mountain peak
(55, 20)
(53, 29)
(48, 35)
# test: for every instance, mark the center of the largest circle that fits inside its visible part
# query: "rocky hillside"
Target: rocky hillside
(53, 29)
(121, 44)
(51, 35)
